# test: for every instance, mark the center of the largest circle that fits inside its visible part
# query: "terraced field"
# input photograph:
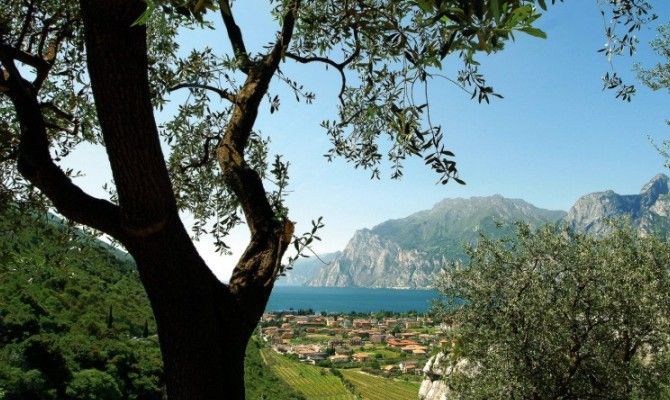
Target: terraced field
(376, 388)
(317, 383)
(314, 383)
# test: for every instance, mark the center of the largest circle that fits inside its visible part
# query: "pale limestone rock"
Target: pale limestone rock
(433, 386)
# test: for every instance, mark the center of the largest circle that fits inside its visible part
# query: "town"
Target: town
(388, 345)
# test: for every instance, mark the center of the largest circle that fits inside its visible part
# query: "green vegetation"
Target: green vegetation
(385, 353)
(75, 322)
(315, 383)
(658, 76)
(96, 72)
(72, 316)
(372, 387)
(550, 314)
(261, 382)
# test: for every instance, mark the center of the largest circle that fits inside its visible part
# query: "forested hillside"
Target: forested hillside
(75, 322)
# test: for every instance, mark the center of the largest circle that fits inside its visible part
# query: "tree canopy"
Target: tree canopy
(550, 314)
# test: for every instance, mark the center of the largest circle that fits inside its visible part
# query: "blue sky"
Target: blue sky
(554, 137)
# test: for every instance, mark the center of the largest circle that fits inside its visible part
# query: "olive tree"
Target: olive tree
(96, 72)
(552, 314)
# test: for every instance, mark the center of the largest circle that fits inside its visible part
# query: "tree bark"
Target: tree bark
(199, 332)
(203, 325)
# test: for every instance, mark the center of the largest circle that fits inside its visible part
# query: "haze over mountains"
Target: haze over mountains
(410, 252)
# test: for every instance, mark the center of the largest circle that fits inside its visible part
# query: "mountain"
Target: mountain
(648, 211)
(409, 252)
(305, 269)
(444, 228)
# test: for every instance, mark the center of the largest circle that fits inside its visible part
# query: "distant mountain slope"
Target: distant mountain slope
(443, 229)
(409, 252)
(648, 210)
(305, 269)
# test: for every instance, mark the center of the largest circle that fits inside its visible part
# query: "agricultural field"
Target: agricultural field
(314, 383)
(386, 353)
(372, 387)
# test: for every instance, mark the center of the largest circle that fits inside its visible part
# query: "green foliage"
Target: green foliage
(91, 384)
(311, 381)
(261, 382)
(658, 76)
(56, 289)
(386, 53)
(552, 314)
(376, 388)
(631, 15)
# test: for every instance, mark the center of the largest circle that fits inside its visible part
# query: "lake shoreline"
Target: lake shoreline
(350, 299)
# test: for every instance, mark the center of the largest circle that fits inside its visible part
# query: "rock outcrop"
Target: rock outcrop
(647, 211)
(370, 260)
(433, 386)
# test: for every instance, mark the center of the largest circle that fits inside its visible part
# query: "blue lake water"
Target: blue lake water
(349, 299)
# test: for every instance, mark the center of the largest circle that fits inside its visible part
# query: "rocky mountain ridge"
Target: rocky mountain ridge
(409, 252)
(648, 211)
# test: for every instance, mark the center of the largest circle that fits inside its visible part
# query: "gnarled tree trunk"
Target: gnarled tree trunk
(203, 324)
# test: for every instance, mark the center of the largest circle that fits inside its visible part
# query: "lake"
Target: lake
(343, 300)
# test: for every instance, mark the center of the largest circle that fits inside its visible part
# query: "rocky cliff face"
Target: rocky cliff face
(410, 252)
(433, 386)
(647, 211)
(306, 269)
(370, 260)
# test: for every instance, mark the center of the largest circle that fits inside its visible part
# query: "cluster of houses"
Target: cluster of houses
(405, 343)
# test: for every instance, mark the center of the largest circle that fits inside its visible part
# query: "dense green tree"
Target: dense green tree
(52, 312)
(555, 315)
(91, 384)
(94, 71)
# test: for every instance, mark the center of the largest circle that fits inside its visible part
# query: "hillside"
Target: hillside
(75, 322)
(74, 319)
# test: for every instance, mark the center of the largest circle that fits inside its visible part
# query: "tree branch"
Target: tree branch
(207, 153)
(288, 25)
(36, 165)
(257, 269)
(235, 36)
(243, 180)
(118, 69)
(340, 67)
(56, 110)
(224, 94)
